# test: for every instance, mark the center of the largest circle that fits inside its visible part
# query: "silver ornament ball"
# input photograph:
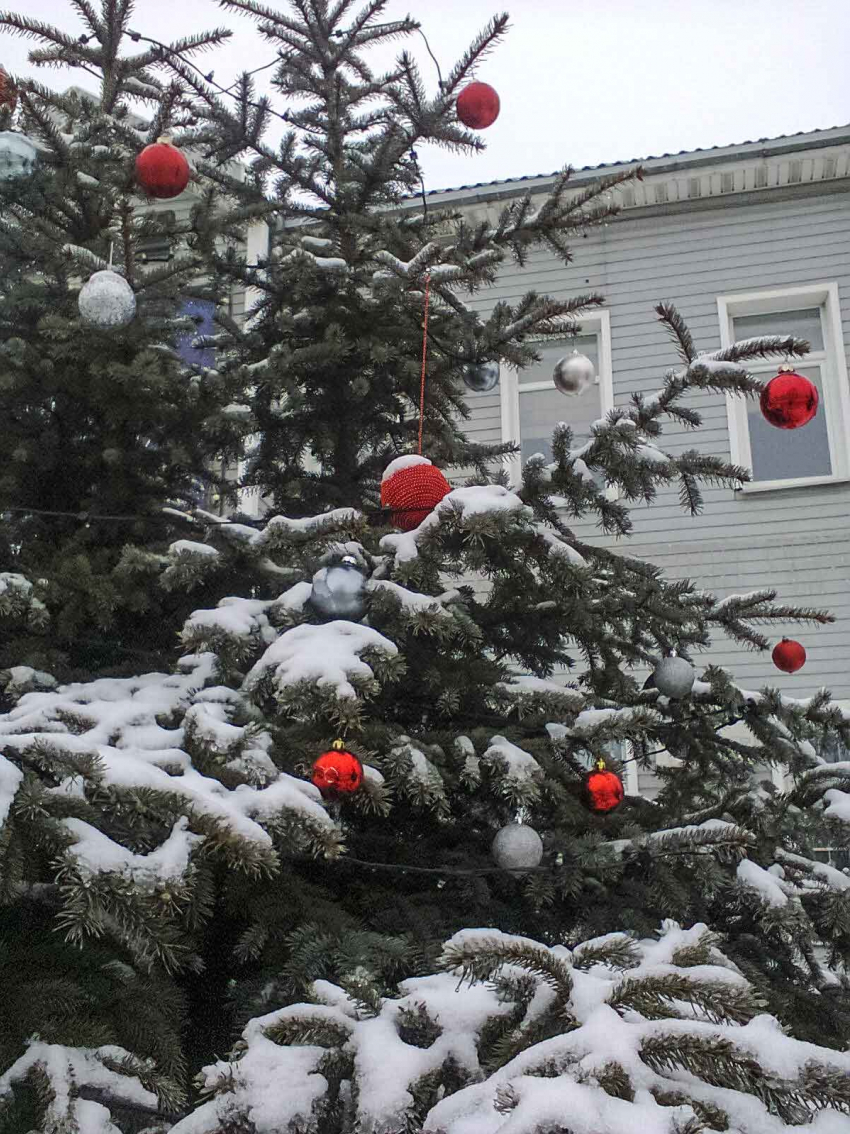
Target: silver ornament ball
(339, 591)
(517, 847)
(481, 377)
(674, 677)
(573, 374)
(107, 301)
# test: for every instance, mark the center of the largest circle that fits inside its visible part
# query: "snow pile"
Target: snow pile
(131, 734)
(327, 656)
(657, 1037)
(514, 764)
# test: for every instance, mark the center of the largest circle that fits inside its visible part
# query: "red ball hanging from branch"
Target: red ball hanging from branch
(415, 487)
(162, 170)
(603, 789)
(789, 655)
(789, 400)
(337, 772)
(478, 106)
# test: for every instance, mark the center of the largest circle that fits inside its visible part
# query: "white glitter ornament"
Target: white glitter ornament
(674, 677)
(339, 591)
(107, 301)
(517, 847)
(573, 374)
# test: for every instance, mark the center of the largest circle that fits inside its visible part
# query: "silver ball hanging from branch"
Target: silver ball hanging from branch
(517, 847)
(573, 374)
(674, 677)
(106, 301)
(481, 377)
(339, 590)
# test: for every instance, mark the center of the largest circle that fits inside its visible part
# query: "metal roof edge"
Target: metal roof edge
(664, 163)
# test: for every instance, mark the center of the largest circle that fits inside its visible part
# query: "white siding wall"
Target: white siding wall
(796, 540)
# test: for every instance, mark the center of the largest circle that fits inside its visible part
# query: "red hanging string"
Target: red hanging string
(424, 358)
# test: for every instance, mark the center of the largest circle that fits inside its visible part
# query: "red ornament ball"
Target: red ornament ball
(603, 790)
(8, 94)
(414, 486)
(478, 106)
(162, 170)
(337, 772)
(789, 400)
(789, 655)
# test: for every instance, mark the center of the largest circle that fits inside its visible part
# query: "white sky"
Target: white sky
(602, 81)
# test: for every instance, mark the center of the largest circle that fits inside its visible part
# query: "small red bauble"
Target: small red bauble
(415, 487)
(603, 790)
(337, 772)
(789, 655)
(789, 400)
(478, 106)
(162, 170)
(8, 94)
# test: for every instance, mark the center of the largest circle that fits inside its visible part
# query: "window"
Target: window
(532, 406)
(157, 247)
(818, 452)
(201, 312)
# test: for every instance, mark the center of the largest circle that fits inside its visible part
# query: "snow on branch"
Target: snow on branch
(107, 735)
(464, 506)
(327, 657)
(661, 1036)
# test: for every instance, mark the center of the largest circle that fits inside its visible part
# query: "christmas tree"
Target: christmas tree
(104, 413)
(360, 860)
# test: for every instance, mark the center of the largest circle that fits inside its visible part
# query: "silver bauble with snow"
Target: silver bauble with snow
(481, 377)
(107, 301)
(674, 677)
(339, 591)
(17, 154)
(573, 374)
(517, 847)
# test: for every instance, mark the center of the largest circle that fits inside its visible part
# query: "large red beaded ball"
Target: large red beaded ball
(603, 791)
(789, 655)
(162, 170)
(478, 106)
(8, 94)
(413, 486)
(789, 400)
(337, 772)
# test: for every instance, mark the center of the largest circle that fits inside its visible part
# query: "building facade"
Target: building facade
(745, 240)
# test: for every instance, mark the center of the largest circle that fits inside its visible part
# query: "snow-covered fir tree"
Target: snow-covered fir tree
(97, 420)
(196, 940)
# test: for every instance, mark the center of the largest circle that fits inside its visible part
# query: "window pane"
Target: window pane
(201, 311)
(805, 324)
(541, 410)
(780, 454)
(557, 348)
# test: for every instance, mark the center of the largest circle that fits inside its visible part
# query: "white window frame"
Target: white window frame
(833, 366)
(594, 323)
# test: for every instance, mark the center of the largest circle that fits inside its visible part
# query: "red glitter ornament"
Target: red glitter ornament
(337, 772)
(603, 790)
(162, 170)
(414, 486)
(8, 94)
(478, 106)
(789, 400)
(789, 655)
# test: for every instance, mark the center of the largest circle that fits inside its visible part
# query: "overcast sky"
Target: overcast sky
(602, 81)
